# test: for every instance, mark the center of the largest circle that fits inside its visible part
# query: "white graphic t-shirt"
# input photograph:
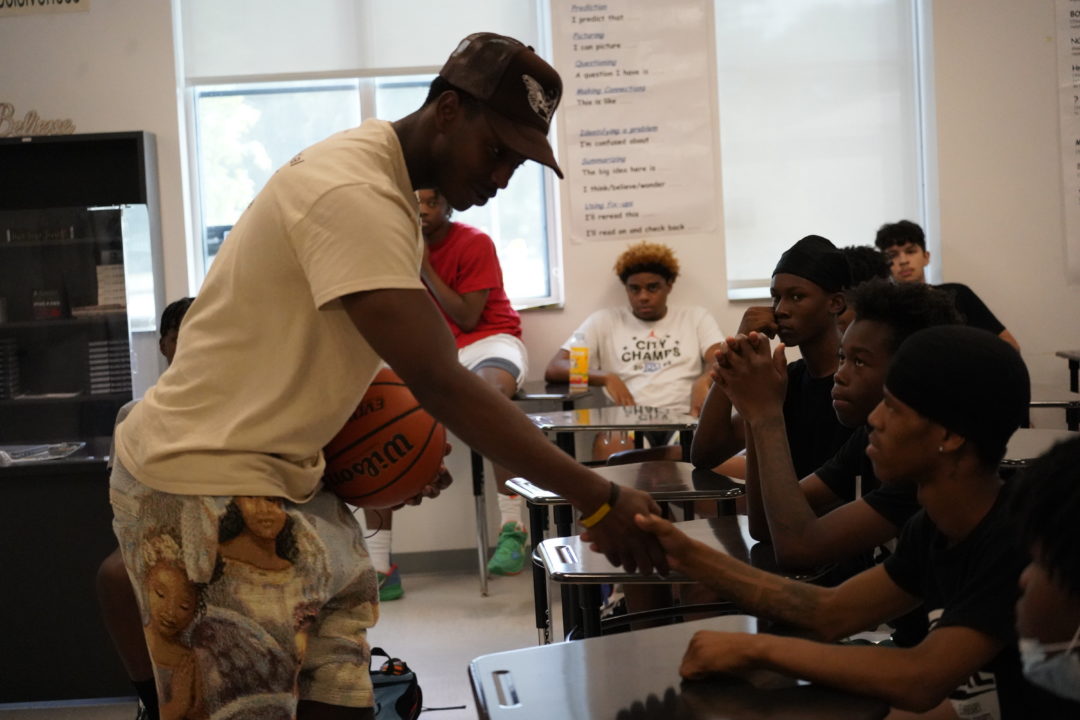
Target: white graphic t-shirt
(658, 360)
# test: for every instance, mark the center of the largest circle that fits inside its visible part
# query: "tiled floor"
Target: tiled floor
(438, 627)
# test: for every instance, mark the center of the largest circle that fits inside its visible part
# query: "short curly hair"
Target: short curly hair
(173, 314)
(865, 263)
(904, 308)
(899, 233)
(647, 257)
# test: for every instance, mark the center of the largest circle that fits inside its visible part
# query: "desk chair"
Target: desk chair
(666, 481)
(1049, 396)
(1073, 358)
(1026, 444)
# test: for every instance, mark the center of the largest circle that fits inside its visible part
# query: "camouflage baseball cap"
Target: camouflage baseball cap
(519, 88)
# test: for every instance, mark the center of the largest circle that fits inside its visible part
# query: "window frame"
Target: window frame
(367, 82)
(748, 289)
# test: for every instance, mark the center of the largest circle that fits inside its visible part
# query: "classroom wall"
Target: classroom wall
(1000, 200)
(109, 70)
(997, 164)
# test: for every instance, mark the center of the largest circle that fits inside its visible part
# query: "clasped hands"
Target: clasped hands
(751, 374)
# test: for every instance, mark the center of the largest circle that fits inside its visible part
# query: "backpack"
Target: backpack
(397, 691)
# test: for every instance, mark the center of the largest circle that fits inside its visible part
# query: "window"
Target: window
(245, 132)
(819, 126)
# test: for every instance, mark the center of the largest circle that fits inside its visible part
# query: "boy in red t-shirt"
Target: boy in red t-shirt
(461, 270)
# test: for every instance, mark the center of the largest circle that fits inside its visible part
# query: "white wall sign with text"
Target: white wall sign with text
(1068, 23)
(636, 121)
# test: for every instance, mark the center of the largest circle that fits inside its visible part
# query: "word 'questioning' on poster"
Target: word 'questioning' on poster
(636, 121)
(1068, 23)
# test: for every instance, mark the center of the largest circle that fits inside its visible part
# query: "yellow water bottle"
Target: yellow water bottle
(579, 363)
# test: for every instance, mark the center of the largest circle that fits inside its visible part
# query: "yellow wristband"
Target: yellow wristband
(597, 516)
(602, 511)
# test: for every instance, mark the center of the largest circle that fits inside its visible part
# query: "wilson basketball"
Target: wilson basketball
(388, 450)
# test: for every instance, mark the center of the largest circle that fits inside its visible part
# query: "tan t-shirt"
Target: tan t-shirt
(270, 365)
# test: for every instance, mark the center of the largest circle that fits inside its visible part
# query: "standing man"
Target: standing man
(318, 283)
(904, 246)
(462, 273)
(648, 353)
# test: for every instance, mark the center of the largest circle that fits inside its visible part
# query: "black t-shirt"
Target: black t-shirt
(842, 474)
(813, 432)
(974, 584)
(974, 310)
(850, 475)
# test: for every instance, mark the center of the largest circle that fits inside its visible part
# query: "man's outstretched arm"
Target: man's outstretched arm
(829, 613)
(917, 679)
(405, 329)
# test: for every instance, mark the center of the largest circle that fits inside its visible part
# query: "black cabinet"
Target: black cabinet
(80, 294)
(80, 284)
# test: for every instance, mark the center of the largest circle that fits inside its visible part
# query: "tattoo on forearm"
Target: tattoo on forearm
(765, 594)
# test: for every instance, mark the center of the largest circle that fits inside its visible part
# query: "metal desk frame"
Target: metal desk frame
(530, 392)
(697, 484)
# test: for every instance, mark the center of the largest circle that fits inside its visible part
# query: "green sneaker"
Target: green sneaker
(509, 557)
(390, 585)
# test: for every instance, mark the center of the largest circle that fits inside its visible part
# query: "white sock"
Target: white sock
(378, 546)
(510, 509)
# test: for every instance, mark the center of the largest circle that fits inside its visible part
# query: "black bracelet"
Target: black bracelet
(614, 497)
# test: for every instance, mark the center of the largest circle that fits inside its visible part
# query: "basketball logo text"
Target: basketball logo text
(375, 462)
(368, 406)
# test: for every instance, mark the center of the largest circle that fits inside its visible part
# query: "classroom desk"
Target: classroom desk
(635, 676)
(568, 560)
(532, 391)
(1073, 356)
(665, 480)
(1026, 444)
(1048, 396)
(642, 418)
(540, 391)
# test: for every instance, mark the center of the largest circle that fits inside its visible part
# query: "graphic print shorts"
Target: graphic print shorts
(248, 604)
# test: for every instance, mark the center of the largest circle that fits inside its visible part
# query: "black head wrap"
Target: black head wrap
(817, 260)
(965, 379)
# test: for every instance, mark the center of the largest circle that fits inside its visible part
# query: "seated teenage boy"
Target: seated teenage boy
(461, 271)
(840, 511)
(649, 353)
(938, 431)
(807, 296)
(904, 245)
(1046, 503)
